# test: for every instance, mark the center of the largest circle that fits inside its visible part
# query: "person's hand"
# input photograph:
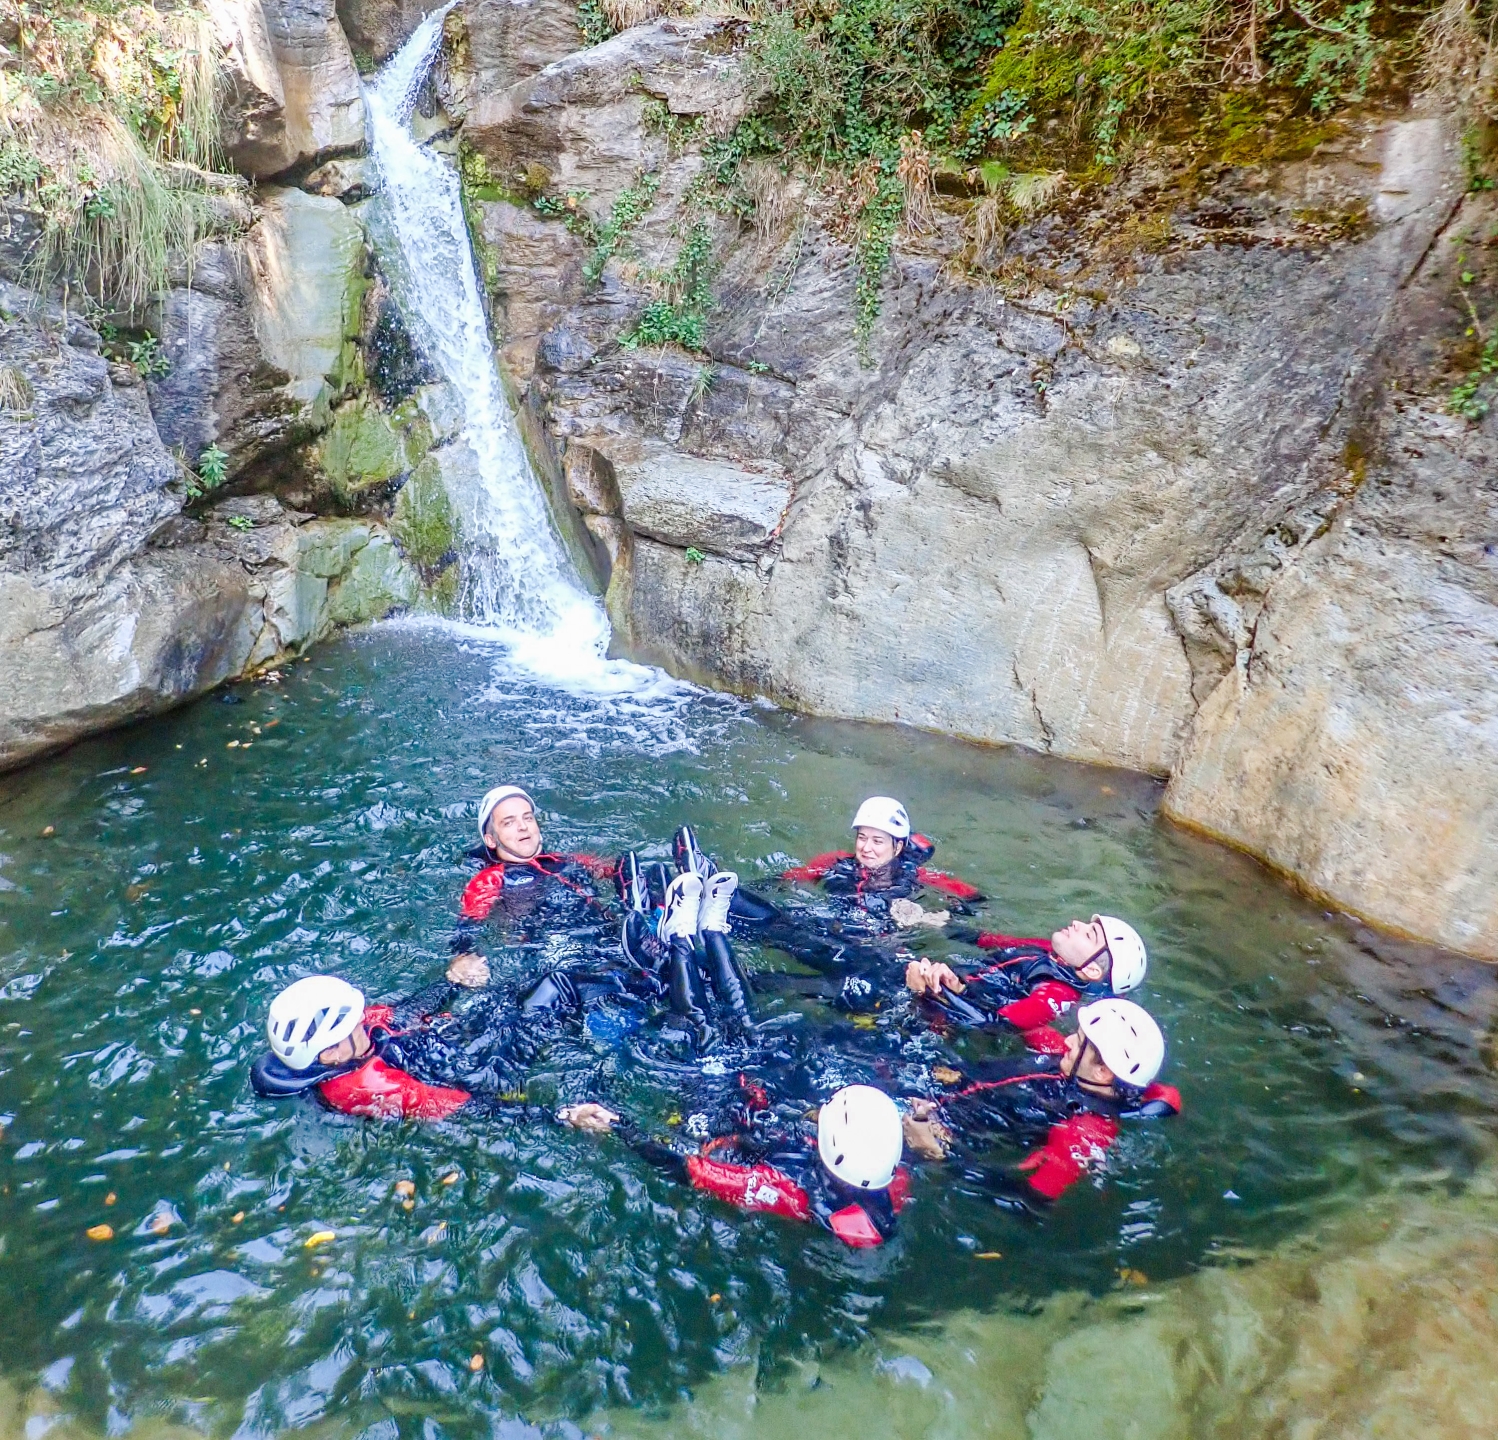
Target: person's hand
(594, 1118)
(925, 977)
(924, 1134)
(470, 971)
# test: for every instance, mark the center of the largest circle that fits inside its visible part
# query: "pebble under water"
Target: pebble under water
(160, 884)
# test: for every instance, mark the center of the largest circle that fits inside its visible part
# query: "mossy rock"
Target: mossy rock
(361, 448)
(377, 582)
(443, 595)
(424, 521)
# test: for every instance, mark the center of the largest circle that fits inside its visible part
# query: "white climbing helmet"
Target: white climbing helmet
(859, 1137)
(1126, 950)
(879, 812)
(309, 1016)
(497, 796)
(1127, 1039)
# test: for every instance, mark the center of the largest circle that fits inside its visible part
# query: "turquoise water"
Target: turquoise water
(141, 941)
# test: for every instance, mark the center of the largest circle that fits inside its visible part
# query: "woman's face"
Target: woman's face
(873, 848)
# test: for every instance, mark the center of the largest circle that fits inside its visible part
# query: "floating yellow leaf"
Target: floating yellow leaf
(945, 1075)
(161, 1224)
(100, 1232)
(1133, 1277)
(476, 1364)
(50, 831)
(452, 1178)
(864, 1022)
(139, 770)
(408, 1204)
(237, 1218)
(989, 1255)
(110, 1198)
(319, 1237)
(405, 1188)
(713, 1299)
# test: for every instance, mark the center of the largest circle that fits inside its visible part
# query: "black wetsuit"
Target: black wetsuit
(1018, 984)
(1030, 1101)
(760, 1154)
(851, 928)
(424, 1064)
(531, 898)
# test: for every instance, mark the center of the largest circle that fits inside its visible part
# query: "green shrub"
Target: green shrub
(680, 316)
(147, 357)
(624, 214)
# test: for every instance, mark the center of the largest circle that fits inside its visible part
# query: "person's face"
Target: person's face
(512, 829)
(1082, 947)
(355, 1045)
(1081, 1062)
(873, 848)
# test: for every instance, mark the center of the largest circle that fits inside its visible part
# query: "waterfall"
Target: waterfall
(517, 580)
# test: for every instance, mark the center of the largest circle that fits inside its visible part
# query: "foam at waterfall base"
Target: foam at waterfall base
(518, 589)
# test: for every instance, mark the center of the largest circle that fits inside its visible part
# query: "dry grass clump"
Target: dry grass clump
(15, 391)
(1458, 59)
(109, 132)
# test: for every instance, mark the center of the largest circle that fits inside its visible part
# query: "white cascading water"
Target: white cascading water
(517, 578)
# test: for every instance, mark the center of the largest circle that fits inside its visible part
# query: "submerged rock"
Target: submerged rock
(1380, 1325)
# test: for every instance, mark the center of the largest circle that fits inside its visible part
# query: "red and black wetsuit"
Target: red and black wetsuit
(852, 928)
(540, 896)
(424, 1065)
(1021, 984)
(1031, 1101)
(765, 1159)
(906, 877)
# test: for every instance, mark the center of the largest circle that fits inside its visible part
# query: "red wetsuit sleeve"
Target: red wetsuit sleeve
(1044, 1041)
(750, 1187)
(899, 1189)
(1069, 1149)
(1042, 1005)
(378, 1091)
(948, 884)
(482, 891)
(992, 940)
(1158, 1094)
(853, 1227)
(817, 867)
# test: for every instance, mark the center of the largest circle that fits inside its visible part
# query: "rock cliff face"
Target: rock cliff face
(113, 603)
(293, 92)
(1165, 512)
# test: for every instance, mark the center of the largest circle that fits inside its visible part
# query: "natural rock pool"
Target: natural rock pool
(159, 884)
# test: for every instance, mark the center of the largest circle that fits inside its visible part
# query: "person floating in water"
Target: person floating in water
(1069, 1105)
(844, 1173)
(886, 871)
(411, 1061)
(868, 896)
(1026, 984)
(530, 890)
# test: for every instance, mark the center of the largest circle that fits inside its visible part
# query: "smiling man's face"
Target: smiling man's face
(512, 829)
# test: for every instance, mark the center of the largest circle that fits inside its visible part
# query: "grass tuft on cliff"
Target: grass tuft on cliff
(109, 137)
(879, 98)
